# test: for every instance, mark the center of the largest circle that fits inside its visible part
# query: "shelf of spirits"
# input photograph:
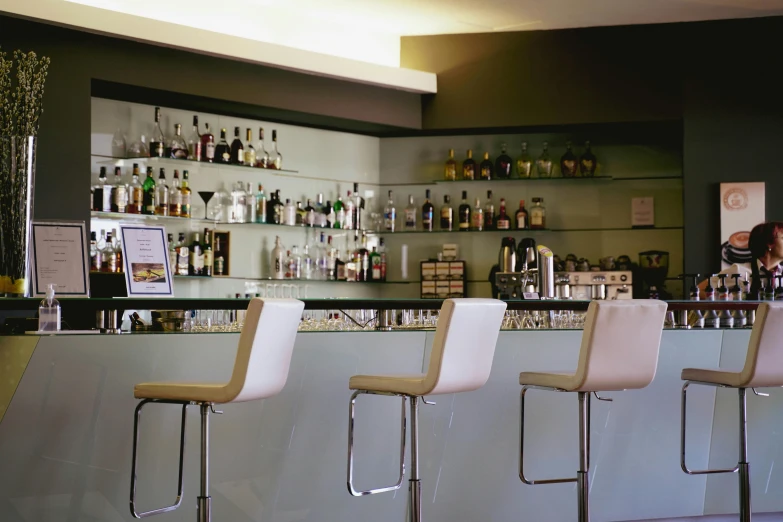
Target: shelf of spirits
(186, 164)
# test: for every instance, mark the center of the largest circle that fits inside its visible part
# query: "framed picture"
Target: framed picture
(742, 207)
(60, 257)
(146, 260)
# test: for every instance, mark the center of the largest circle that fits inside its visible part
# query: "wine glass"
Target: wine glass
(206, 196)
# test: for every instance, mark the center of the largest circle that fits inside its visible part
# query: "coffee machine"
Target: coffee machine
(653, 268)
(525, 273)
(586, 286)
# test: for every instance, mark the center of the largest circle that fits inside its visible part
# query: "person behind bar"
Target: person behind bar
(766, 251)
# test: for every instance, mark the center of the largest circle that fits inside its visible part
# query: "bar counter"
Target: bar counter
(66, 418)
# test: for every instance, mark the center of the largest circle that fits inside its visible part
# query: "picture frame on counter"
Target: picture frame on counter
(145, 259)
(60, 257)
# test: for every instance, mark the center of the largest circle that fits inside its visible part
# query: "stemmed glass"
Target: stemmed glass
(206, 196)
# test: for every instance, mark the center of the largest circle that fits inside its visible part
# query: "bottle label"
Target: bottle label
(478, 221)
(537, 220)
(197, 261)
(390, 217)
(503, 224)
(426, 219)
(208, 260)
(210, 150)
(120, 198)
(410, 218)
(156, 149)
(250, 157)
(376, 267)
(521, 221)
(183, 256)
(106, 199)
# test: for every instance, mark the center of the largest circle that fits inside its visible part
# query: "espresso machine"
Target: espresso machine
(526, 271)
(586, 286)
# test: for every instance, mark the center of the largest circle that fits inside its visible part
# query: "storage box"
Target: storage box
(457, 269)
(450, 251)
(442, 270)
(427, 270)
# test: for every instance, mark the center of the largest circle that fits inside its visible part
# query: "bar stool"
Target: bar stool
(260, 371)
(619, 351)
(763, 368)
(461, 359)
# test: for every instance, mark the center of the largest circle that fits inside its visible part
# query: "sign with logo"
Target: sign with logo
(742, 207)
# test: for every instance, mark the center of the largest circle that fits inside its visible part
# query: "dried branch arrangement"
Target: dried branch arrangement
(22, 82)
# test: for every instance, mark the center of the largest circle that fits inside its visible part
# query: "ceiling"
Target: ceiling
(369, 30)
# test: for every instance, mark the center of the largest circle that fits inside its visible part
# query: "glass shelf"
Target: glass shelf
(577, 179)
(184, 164)
(270, 281)
(517, 231)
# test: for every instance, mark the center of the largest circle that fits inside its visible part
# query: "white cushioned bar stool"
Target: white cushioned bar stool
(619, 351)
(763, 368)
(460, 361)
(260, 371)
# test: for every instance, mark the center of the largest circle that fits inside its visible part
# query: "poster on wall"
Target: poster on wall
(742, 207)
(146, 261)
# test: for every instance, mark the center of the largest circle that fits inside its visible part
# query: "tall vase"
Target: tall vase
(17, 178)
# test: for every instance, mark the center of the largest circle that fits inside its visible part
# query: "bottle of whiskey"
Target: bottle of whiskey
(538, 214)
(186, 196)
(250, 151)
(503, 164)
(469, 167)
(179, 149)
(157, 142)
(183, 255)
(237, 149)
(478, 216)
(196, 257)
(410, 214)
(349, 212)
(194, 142)
(427, 213)
(275, 158)
(119, 193)
(390, 214)
(261, 203)
(524, 163)
(446, 215)
(209, 260)
(222, 150)
(489, 212)
(464, 213)
(175, 196)
(162, 195)
(135, 193)
(544, 163)
(568, 163)
(101, 193)
(486, 168)
(207, 145)
(450, 173)
(588, 162)
(503, 221)
(262, 156)
(172, 253)
(148, 206)
(523, 223)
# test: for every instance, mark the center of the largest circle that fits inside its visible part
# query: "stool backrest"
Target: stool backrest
(764, 362)
(265, 347)
(620, 344)
(464, 344)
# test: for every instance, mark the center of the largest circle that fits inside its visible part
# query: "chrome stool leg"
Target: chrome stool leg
(744, 467)
(582, 478)
(204, 500)
(414, 484)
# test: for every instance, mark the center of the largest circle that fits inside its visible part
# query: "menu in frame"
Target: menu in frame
(59, 257)
(146, 261)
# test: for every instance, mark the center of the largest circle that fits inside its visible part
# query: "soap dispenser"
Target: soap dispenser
(49, 312)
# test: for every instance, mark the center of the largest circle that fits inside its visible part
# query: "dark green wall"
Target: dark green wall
(718, 78)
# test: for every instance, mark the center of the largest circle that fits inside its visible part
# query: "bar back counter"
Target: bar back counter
(66, 423)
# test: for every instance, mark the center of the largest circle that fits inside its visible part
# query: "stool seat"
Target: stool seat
(183, 391)
(733, 379)
(559, 380)
(413, 385)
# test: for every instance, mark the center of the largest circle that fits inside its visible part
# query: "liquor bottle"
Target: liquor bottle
(322, 258)
(237, 149)
(331, 261)
(262, 156)
(375, 264)
(194, 142)
(172, 253)
(98, 192)
(100, 246)
(274, 212)
(410, 214)
(187, 195)
(275, 158)
(478, 216)
(175, 196)
(162, 195)
(294, 264)
(251, 205)
(179, 148)
(157, 142)
(446, 215)
(278, 260)
(307, 264)
(524, 163)
(384, 258)
(427, 213)
(209, 259)
(486, 168)
(538, 214)
(450, 172)
(338, 220)
(568, 162)
(544, 163)
(119, 193)
(148, 206)
(358, 206)
(261, 203)
(523, 222)
(588, 162)
(469, 167)
(219, 256)
(310, 215)
(339, 267)
(330, 216)
(222, 150)
(207, 145)
(196, 259)
(349, 212)
(301, 215)
(238, 203)
(95, 264)
(135, 193)
(390, 214)
(115, 260)
(250, 151)
(464, 212)
(107, 253)
(503, 221)
(503, 164)
(183, 255)
(489, 212)
(289, 213)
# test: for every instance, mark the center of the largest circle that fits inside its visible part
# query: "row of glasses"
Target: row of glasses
(214, 321)
(277, 290)
(543, 319)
